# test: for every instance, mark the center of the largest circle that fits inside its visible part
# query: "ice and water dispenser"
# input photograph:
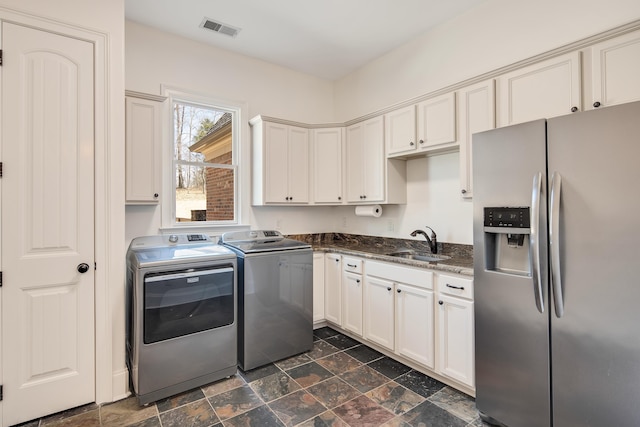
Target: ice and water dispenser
(507, 248)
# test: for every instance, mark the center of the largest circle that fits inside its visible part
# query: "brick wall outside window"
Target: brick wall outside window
(220, 190)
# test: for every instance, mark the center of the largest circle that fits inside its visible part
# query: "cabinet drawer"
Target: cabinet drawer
(354, 265)
(456, 286)
(399, 274)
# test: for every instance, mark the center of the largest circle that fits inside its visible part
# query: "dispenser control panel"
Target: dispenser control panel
(507, 217)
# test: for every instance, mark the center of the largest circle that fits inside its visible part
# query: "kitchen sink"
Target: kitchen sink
(418, 256)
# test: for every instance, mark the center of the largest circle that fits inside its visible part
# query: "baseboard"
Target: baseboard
(120, 384)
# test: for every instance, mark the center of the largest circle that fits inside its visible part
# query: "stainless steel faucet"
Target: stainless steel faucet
(433, 243)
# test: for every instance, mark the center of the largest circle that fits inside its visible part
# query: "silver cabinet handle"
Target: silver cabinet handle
(554, 243)
(455, 287)
(534, 241)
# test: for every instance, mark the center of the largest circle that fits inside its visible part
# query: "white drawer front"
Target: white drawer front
(354, 265)
(456, 286)
(401, 274)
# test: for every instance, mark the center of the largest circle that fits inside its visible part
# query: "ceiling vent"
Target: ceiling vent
(219, 27)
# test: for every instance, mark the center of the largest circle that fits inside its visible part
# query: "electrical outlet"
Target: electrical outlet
(279, 224)
(344, 222)
(390, 226)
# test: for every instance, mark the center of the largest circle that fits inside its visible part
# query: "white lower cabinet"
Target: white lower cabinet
(414, 324)
(399, 310)
(378, 316)
(333, 288)
(456, 329)
(419, 315)
(352, 295)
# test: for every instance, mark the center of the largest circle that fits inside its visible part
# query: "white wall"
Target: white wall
(494, 34)
(155, 58)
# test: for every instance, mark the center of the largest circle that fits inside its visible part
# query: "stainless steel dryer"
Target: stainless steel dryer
(275, 296)
(181, 314)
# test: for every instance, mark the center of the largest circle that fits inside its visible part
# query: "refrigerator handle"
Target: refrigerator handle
(534, 241)
(554, 243)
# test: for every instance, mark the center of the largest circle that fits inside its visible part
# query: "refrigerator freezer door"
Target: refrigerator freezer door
(596, 343)
(511, 308)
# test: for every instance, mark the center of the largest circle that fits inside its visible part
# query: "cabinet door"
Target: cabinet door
(378, 311)
(374, 160)
(276, 163)
(318, 286)
(456, 339)
(476, 113)
(414, 324)
(615, 68)
(548, 89)
(327, 165)
(437, 122)
(354, 163)
(143, 148)
(352, 302)
(400, 130)
(333, 288)
(298, 165)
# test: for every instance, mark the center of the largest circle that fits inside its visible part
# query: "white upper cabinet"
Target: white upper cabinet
(400, 130)
(476, 113)
(365, 161)
(546, 89)
(437, 123)
(615, 71)
(280, 163)
(327, 165)
(143, 147)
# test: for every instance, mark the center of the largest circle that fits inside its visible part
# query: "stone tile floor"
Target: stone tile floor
(339, 383)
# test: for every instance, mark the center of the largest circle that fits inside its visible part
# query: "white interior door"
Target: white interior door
(47, 143)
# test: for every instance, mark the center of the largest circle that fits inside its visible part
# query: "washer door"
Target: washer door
(184, 302)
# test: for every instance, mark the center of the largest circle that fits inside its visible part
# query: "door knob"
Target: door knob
(83, 268)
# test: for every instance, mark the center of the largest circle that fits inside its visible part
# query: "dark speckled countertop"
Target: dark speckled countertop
(460, 259)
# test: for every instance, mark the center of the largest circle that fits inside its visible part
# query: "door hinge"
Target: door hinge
(0, 56)
(0, 169)
(1, 395)
(0, 287)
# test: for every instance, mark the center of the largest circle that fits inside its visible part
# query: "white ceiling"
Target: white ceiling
(325, 38)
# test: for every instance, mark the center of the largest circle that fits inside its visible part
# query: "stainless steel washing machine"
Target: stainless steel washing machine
(275, 296)
(181, 314)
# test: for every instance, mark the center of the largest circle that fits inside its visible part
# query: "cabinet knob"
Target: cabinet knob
(155, 195)
(421, 141)
(440, 302)
(364, 197)
(357, 280)
(574, 109)
(337, 259)
(411, 143)
(398, 291)
(339, 198)
(596, 104)
(463, 191)
(83, 268)
(290, 198)
(388, 289)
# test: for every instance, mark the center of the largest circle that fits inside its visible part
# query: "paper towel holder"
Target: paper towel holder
(369, 210)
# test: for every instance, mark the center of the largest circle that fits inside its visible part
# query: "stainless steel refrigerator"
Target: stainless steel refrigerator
(556, 270)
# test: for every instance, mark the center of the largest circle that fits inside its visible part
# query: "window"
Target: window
(205, 167)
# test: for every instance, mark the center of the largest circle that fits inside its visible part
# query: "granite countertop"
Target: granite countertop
(460, 259)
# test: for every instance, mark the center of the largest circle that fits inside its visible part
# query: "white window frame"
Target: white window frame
(238, 110)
